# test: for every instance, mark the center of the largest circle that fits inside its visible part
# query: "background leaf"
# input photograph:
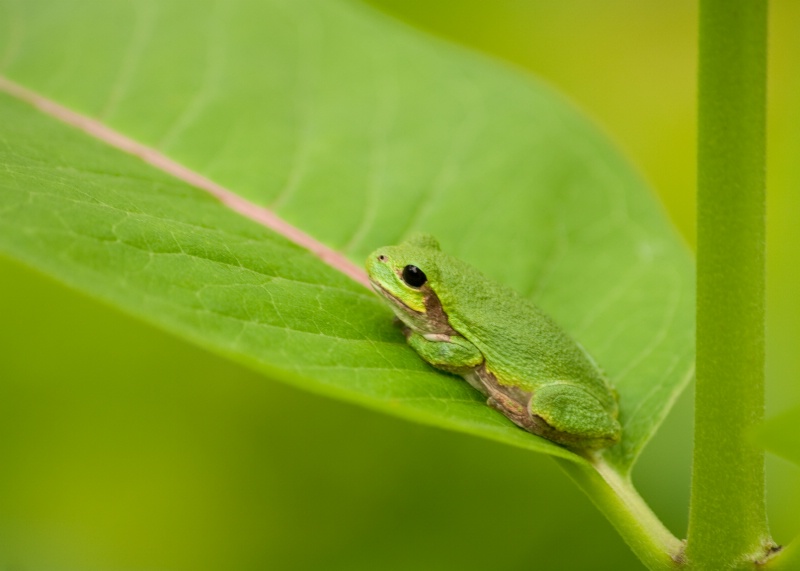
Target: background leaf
(781, 435)
(358, 131)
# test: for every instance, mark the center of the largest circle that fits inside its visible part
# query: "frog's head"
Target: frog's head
(407, 276)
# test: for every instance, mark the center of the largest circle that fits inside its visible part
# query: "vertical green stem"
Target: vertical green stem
(727, 520)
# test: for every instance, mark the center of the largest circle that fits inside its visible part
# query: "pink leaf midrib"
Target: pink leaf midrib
(263, 216)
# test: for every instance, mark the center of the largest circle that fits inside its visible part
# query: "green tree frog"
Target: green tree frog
(460, 321)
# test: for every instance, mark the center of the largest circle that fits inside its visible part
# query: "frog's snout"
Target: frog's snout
(377, 264)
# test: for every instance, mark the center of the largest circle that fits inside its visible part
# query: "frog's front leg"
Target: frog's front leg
(450, 353)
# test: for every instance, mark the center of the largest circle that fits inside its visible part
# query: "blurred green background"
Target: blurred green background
(125, 448)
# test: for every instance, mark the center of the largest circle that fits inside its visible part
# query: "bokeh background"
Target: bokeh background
(122, 447)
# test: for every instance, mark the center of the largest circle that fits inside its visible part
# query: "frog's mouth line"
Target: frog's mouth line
(397, 301)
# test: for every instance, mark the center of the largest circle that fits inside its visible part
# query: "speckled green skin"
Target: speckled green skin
(531, 370)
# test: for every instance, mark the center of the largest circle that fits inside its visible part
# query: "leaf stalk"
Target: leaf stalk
(615, 496)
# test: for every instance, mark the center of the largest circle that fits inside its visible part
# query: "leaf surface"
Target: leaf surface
(356, 130)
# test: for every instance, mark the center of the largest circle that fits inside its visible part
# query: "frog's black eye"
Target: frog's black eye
(414, 277)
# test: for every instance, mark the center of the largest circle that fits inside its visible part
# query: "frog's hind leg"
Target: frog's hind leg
(572, 416)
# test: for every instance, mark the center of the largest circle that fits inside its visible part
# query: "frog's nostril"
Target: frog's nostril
(382, 258)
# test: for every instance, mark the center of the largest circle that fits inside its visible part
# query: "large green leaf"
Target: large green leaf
(356, 130)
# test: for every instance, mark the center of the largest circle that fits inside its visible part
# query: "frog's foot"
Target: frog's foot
(397, 322)
(509, 401)
(514, 411)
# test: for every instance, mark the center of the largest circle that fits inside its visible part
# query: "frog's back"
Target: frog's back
(518, 340)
